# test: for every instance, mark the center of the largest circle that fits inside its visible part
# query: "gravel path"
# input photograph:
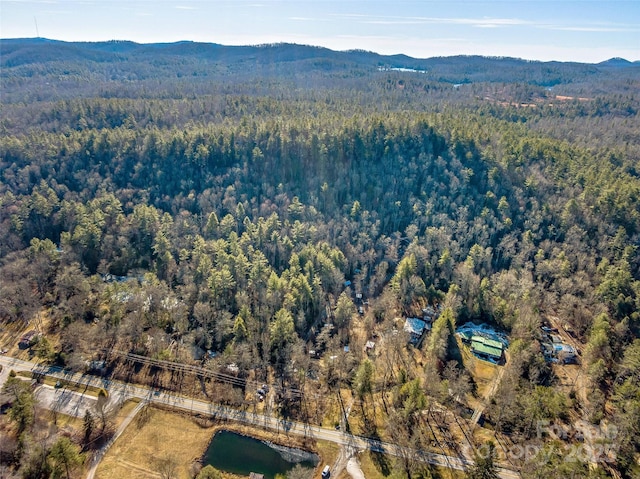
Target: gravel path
(353, 468)
(95, 462)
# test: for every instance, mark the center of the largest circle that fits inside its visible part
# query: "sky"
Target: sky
(566, 30)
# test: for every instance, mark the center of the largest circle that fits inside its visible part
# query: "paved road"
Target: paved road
(64, 401)
(122, 391)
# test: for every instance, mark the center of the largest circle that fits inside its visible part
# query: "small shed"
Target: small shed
(255, 475)
(369, 346)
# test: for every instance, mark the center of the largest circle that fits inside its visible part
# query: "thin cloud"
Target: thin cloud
(484, 22)
(50, 2)
(185, 7)
(55, 12)
(475, 22)
(351, 15)
(591, 29)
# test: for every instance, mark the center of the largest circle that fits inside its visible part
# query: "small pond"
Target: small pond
(238, 454)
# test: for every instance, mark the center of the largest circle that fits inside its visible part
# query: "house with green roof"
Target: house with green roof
(486, 349)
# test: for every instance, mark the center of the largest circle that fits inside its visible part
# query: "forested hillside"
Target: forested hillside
(161, 199)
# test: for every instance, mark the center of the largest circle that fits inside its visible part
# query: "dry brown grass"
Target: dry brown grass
(483, 435)
(482, 372)
(328, 451)
(69, 386)
(370, 469)
(124, 411)
(10, 334)
(68, 423)
(162, 435)
(375, 466)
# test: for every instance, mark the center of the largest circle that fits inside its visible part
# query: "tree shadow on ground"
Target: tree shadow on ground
(380, 460)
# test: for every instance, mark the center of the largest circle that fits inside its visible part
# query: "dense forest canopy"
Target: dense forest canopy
(241, 196)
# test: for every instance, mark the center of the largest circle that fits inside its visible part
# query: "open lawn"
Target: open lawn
(482, 372)
(123, 412)
(158, 440)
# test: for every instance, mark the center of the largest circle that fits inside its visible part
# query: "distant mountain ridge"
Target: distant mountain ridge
(617, 62)
(132, 61)
(12, 48)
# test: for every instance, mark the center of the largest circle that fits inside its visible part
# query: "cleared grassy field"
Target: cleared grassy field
(159, 440)
(156, 440)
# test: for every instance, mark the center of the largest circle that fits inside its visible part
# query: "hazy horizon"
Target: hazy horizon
(305, 45)
(568, 30)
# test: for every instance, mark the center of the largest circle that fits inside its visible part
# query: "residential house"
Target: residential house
(415, 327)
(28, 339)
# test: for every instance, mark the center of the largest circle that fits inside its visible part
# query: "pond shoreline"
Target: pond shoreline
(239, 454)
(164, 432)
(293, 454)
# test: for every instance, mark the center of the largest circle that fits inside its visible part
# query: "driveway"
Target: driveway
(353, 468)
(64, 401)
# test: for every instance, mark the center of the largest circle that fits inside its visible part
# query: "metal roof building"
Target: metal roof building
(486, 349)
